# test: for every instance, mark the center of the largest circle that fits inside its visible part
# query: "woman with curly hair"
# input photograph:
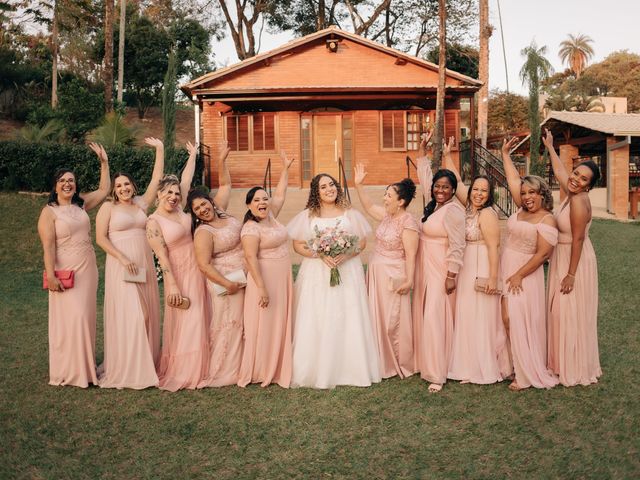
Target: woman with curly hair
(532, 235)
(333, 341)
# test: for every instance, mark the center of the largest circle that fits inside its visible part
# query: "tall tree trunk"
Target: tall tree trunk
(483, 71)
(321, 17)
(54, 54)
(107, 73)
(123, 15)
(169, 111)
(442, 78)
(534, 118)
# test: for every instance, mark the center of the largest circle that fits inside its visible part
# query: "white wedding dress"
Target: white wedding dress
(333, 340)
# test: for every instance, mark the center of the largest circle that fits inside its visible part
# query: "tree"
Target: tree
(507, 113)
(169, 108)
(107, 72)
(438, 136)
(460, 58)
(618, 75)
(483, 95)
(247, 14)
(535, 69)
(576, 52)
(122, 28)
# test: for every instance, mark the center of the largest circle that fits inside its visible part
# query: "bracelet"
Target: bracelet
(572, 275)
(452, 278)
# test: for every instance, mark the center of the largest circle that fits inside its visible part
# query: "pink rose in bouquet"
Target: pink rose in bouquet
(331, 242)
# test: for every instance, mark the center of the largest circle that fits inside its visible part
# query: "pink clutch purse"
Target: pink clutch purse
(65, 277)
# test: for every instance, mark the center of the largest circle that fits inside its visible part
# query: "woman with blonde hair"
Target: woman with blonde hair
(131, 300)
(64, 228)
(185, 348)
(532, 235)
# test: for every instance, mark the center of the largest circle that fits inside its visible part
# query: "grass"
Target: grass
(391, 430)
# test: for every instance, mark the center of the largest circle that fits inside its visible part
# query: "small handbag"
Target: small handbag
(237, 276)
(481, 282)
(140, 277)
(65, 277)
(186, 303)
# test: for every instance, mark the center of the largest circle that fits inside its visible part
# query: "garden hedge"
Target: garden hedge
(31, 166)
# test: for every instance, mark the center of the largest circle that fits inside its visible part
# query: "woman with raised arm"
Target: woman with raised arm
(573, 279)
(333, 342)
(185, 348)
(439, 259)
(532, 234)
(266, 357)
(390, 274)
(131, 304)
(480, 352)
(64, 228)
(219, 255)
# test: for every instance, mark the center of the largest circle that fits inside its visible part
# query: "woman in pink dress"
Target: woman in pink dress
(219, 253)
(131, 309)
(390, 274)
(532, 234)
(439, 259)
(573, 279)
(185, 346)
(266, 357)
(480, 352)
(64, 230)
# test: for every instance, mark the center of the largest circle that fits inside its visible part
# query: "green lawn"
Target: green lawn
(391, 430)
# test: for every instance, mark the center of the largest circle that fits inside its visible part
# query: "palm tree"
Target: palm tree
(442, 71)
(107, 73)
(576, 52)
(535, 69)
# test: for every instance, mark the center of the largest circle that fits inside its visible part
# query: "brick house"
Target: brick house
(327, 99)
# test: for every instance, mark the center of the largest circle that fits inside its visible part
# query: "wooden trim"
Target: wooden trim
(252, 150)
(381, 131)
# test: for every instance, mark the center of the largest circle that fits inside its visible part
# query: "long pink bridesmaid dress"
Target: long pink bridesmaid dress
(441, 249)
(480, 352)
(225, 329)
(267, 356)
(131, 310)
(72, 313)
(573, 318)
(390, 311)
(527, 310)
(185, 345)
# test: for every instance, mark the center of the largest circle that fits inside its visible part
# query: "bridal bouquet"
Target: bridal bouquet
(331, 242)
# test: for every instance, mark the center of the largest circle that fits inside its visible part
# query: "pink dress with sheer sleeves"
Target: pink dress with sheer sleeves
(390, 311)
(131, 310)
(225, 329)
(185, 345)
(573, 318)
(480, 352)
(72, 313)
(267, 355)
(527, 310)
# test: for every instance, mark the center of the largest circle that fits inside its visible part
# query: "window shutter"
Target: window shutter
(393, 130)
(451, 123)
(238, 132)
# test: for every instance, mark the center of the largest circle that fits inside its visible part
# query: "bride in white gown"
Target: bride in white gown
(333, 341)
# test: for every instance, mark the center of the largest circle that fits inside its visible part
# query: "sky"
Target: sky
(612, 24)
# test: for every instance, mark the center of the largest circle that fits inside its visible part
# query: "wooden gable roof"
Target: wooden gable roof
(306, 65)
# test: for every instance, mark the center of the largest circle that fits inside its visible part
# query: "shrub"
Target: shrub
(30, 166)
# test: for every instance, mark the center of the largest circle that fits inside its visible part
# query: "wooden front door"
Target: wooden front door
(327, 144)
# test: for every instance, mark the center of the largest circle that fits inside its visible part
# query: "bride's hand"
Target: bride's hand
(340, 259)
(328, 261)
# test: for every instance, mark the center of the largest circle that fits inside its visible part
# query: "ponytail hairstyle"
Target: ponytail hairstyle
(248, 199)
(595, 171)
(543, 189)
(431, 206)
(406, 191)
(194, 194)
(53, 195)
(491, 200)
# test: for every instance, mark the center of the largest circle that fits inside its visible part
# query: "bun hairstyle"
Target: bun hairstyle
(53, 195)
(248, 199)
(114, 196)
(491, 200)
(449, 175)
(543, 189)
(194, 195)
(406, 190)
(595, 171)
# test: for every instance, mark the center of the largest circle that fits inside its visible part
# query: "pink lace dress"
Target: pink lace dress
(267, 351)
(527, 310)
(390, 311)
(225, 328)
(573, 318)
(131, 310)
(185, 346)
(72, 313)
(480, 352)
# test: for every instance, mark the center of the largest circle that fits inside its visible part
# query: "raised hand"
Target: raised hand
(224, 151)
(360, 174)
(286, 162)
(192, 149)
(424, 140)
(154, 142)
(99, 151)
(547, 139)
(507, 145)
(447, 146)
